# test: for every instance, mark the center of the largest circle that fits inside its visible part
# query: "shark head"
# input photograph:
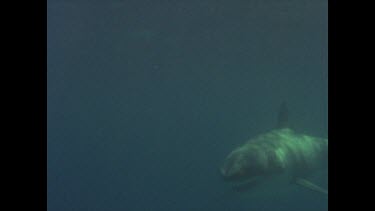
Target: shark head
(243, 165)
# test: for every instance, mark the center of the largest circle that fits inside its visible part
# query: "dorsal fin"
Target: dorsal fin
(283, 117)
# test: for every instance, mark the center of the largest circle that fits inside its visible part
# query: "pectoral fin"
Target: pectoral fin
(283, 117)
(309, 185)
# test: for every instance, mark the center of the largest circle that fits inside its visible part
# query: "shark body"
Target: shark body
(281, 153)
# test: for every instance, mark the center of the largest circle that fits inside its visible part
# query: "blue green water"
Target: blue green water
(147, 97)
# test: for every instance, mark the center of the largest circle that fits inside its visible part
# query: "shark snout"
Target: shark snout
(225, 174)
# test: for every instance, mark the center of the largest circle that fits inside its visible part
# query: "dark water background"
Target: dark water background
(147, 97)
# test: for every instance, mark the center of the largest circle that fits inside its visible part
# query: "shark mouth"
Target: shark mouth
(245, 185)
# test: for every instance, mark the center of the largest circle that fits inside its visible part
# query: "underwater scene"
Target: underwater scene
(185, 105)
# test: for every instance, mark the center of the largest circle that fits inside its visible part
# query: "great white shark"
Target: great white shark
(281, 155)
